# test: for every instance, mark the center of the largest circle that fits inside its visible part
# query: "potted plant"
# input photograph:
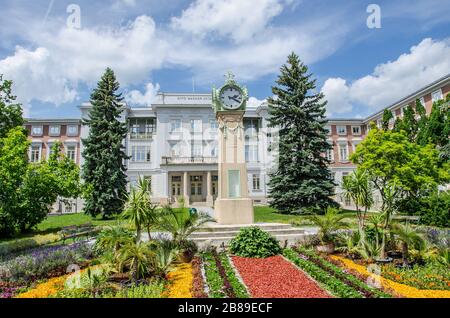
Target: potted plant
(328, 223)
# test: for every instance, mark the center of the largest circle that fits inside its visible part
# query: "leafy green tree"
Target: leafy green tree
(437, 130)
(302, 181)
(10, 112)
(390, 158)
(387, 117)
(13, 166)
(422, 123)
(104, 152)
(408, 123)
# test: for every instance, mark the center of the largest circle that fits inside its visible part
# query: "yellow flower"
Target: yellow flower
(44, 290)
(181, 279)
(50, 287)
(400, 289)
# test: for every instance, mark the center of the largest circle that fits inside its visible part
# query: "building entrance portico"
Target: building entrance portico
(193, 186)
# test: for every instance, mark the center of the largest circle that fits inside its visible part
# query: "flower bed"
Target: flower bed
(47, 289)
(198, 285)
(238, 288)
(430, 276)
(44, 263)
(399, 289)
(180, 282)
(274, 277)
(213, 278)
(350, 280)
(337, 287)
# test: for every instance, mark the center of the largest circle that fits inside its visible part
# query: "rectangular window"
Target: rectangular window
(142, 128)
(175, 125)
(213, 125)
(214, 151)
(234, 184)
(356, 130)
(196, 125)
(256, 182)
(251, 153)
(196, 150)
(37, 130)
(436, 95)
(35, 154)
(175, 150)
(343, 152)
(140, 153)
(55, 130)
(330, 153)
(342, 130)
(72, 130)
(251, 127)
(71, 152)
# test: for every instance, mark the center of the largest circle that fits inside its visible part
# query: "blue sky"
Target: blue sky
(154, 45)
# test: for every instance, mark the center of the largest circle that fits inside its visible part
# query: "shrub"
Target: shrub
(433, 209)
(254, 242)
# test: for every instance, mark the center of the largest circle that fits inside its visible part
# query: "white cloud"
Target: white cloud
(389, 82)
(238, 19)
(135, 97)
(254, 102)
(53, 71)
(35, 76)
(63, 60)
(336, 92)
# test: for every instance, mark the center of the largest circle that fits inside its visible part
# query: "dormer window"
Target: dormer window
(37, 130)
(341, 130)
(356, 130)
(55, 130)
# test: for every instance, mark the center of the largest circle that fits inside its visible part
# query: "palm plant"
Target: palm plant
(163, 257)
(139, 209)
(357, 188)
(328, 223)
(409, 237)
(182, 224)
(136, 257)
(112, 238)
(349, 243)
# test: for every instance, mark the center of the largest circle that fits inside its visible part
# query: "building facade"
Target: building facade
(174, 143)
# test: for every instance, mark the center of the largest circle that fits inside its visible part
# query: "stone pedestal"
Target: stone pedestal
(234, 211)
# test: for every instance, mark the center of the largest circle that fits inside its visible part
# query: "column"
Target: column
(209, 197)
(185, 188)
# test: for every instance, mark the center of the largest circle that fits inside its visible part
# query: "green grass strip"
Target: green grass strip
(238, 288)
(213, 278)
(331, 283)
(340, 274)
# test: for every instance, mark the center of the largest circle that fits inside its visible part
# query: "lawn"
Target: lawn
(266, 214)
(57, 222)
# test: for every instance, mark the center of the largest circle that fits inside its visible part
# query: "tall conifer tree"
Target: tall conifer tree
(302, 181)
(104, 169)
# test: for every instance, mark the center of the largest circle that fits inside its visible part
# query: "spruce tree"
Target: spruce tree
(302, 181)
(104, 153)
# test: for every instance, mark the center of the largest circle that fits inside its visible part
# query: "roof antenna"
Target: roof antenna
(193, 85)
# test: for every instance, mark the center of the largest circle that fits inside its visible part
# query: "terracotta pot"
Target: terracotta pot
(326, 248)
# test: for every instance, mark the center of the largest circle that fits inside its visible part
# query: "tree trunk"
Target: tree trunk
(405, 253)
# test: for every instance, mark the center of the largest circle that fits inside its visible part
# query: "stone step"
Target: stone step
(233, 228)
(289, 239)
(231, 234)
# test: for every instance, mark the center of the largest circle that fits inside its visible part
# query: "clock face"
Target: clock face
(231, 97)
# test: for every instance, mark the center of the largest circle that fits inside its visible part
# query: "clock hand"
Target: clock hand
(234, 98)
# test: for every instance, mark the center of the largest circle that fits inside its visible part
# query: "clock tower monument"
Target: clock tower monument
(233, 204)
